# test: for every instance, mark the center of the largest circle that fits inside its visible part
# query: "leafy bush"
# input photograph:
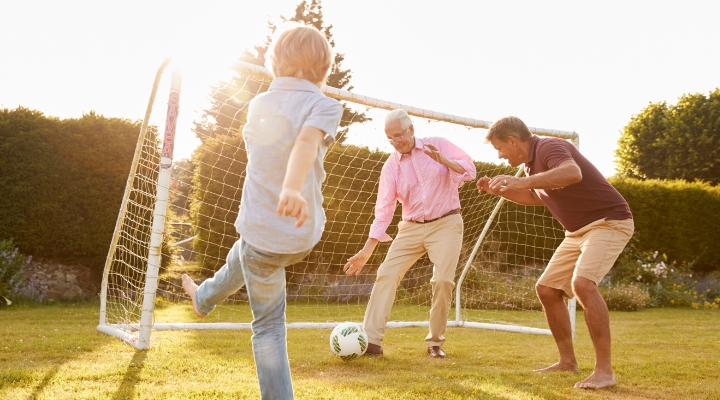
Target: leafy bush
(62, 182)
(677, 218)
(625, 297)
(11, 263)
(687, 290)
(667, 282)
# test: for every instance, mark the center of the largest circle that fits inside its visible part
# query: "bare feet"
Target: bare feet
(190, 288)
(597, 380)
(559, 367)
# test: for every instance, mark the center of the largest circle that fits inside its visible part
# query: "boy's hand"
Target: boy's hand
(292, 204)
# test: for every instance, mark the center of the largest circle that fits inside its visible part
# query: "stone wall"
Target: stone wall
(51, 280)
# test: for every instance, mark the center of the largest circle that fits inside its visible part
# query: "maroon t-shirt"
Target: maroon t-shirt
(581, 203)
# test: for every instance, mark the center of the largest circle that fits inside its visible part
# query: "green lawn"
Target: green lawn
(54, 352)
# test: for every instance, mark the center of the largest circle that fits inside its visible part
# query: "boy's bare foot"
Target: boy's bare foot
(597, 380)
(190, 288)
(559, 367)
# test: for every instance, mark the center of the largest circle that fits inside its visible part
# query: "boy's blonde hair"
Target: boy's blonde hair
(300, 51)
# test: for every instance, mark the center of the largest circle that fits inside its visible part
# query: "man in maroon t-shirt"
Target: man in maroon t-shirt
(598, 225)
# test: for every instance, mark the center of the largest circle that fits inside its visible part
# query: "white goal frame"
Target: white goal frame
(142, 340)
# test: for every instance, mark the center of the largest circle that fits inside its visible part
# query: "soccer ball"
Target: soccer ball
(348, 341)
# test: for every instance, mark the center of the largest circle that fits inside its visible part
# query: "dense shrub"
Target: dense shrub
(11, 263)
(687, 291)
(667, 282)
(625, 297)
(676, 218)
(62, 182)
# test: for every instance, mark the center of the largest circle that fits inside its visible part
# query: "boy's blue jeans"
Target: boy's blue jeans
(264, 275)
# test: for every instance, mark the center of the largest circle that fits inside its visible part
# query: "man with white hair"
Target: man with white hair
(424, 175)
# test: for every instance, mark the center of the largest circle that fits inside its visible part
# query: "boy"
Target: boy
(288, 130)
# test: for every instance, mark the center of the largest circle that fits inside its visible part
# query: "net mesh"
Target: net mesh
(204, 197)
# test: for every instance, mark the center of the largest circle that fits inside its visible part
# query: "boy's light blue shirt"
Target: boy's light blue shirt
(275, 119)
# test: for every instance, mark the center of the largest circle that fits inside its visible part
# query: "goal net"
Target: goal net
(178, 212)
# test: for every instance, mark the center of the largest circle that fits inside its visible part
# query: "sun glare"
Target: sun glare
(203, 44)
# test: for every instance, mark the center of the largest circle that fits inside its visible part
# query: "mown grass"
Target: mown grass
(54, 352)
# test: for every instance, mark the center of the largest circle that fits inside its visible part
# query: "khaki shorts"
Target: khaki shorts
(589, 252)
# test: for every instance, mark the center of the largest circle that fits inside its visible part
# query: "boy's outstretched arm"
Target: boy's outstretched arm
(301, 160)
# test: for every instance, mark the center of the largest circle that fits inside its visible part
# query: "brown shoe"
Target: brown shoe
(373, 350)
(436, 352)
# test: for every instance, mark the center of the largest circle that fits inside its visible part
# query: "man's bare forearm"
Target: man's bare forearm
(370, 245)
(525, 197)
(454, 166)
(564, 175)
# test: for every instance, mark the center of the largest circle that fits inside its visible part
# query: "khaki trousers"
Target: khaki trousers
(442, 240)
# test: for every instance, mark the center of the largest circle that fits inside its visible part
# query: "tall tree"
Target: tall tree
(227, 112)
(673, 141)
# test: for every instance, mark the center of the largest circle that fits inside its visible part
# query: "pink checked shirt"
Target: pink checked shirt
(425, 188)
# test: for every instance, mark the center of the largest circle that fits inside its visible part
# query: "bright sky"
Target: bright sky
(568, 65)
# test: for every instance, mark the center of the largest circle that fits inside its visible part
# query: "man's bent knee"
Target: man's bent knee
(583, 286)
(546, 293)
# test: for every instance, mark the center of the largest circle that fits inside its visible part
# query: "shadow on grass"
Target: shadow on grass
(41, 340)
(424, 378)
(131, 377)
(43, 384)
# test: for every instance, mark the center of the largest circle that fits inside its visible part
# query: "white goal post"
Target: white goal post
(177, 217)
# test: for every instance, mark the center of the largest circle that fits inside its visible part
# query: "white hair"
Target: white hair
(401, 115)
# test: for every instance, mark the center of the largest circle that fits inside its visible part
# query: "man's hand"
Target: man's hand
(356, 263)
(292, 204)
(509, 187)
(483, 185)
(495, 185)
(434, 153)
(502, 183)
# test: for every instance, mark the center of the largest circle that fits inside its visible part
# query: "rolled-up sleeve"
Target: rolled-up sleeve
(384, 206)
(454, 153)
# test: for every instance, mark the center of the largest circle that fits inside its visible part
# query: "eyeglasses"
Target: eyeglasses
(397, 136)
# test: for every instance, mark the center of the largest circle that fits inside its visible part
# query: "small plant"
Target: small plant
(625, 297)
(667, 282)
(689, 290)
(638, 266)
(11, 263)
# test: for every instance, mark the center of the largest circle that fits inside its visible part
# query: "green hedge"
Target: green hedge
(678, 218)
(62, 182)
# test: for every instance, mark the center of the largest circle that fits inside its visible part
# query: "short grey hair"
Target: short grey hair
(401, 115)
(505, 127)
